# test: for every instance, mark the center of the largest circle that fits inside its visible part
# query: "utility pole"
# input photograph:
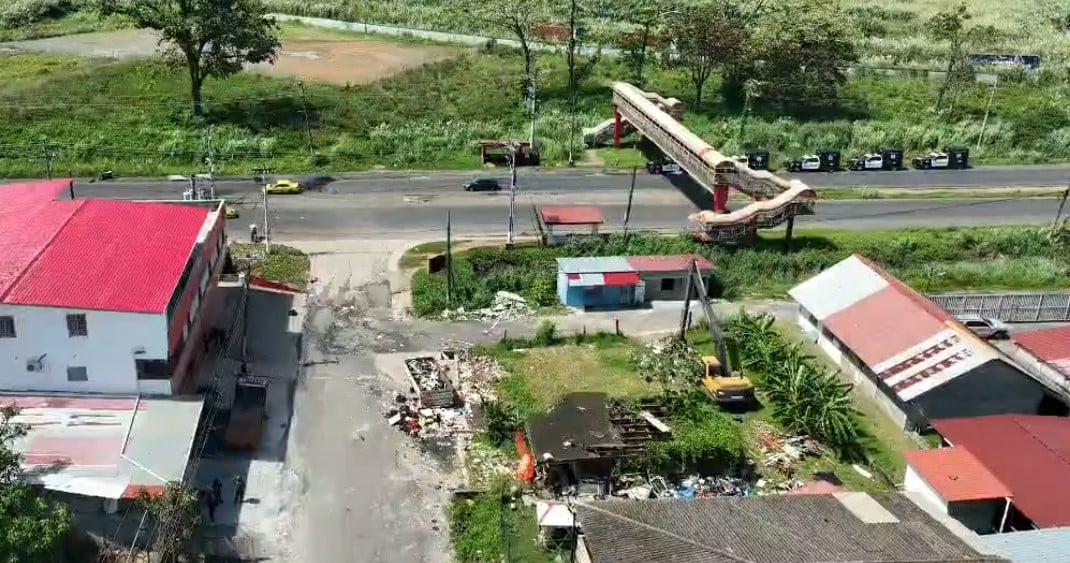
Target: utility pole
(628, 210)
(193, 186)
(308, 125)
(267, 229)
(449, 261)
(48, 160)
(571, 82)
(1062, 204)
(211, 164)
(988, 108)
(531, 132)
(511, 239)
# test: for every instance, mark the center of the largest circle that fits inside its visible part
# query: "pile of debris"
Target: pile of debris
(786, 453)
(477, 378)
(694, 486)
(429, 373)
(506, 305)
(425, 422)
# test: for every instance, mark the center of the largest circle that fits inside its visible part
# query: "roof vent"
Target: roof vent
(866, 508)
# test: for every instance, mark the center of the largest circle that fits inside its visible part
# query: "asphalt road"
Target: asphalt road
(324, 217)
(404, 207)
(568, 181)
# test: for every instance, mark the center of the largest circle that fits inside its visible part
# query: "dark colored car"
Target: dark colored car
(315, 182)
(483, 185)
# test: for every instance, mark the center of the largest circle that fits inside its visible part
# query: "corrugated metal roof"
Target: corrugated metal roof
(29, 219)
(571, 215)
(94, 439)
(956, 475)
(1049, 345)
(771, 528)
(1028, 453)
(1034, 546)
(112, 255)
(675, 263)
(882, 325)
(838, 287)
(593, 265)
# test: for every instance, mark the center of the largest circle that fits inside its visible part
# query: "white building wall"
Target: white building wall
(113, 342)
(915, 483)
(863, 385)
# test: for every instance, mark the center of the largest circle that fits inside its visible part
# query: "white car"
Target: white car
(984, 327)
(868, 161)
(805, 163)
(933, 160)
(666, 166)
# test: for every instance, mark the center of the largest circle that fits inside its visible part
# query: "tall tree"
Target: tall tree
(31, 528)
(707, 36)
(952, 26)
(177, 515)
(801, 53)
(521, 19)
(645, 17)
(211, 38)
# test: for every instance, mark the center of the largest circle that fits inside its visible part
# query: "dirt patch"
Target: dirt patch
(351, 62)
(357, 61)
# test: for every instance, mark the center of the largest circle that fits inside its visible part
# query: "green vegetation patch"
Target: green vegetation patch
(284, 264)
(1004, 258)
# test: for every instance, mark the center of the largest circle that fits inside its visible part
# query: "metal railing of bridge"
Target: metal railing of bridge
(1008, 307)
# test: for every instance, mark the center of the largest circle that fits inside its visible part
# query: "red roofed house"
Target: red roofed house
(1028, 454)
(955, 482)
(560, 223)
(102, 296)
(1046, 354)
(908, 353)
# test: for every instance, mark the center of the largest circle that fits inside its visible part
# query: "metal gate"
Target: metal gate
(1009, 307)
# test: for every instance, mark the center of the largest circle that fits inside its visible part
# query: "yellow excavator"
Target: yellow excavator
(724, 385)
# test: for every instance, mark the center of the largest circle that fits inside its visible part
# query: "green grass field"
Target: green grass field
(133, 118)
(1011, 258)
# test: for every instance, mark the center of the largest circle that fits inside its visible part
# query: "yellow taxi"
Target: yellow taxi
(281, 187)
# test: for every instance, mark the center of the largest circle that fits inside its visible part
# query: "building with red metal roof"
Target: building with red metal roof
(625, 281)
(956, 483)
(1029, 454)
(102, 296)
(561, 223)
(1046, 354)
(915, 358)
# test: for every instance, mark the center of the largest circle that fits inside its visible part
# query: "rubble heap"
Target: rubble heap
(430, 374)
(694, 486)
(418, 422)
(477, 378)
(506, 305)
(786, 453)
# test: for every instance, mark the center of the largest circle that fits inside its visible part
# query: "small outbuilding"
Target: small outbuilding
(561, 223)
(1046, 354)
(954, 481)
(616, 282)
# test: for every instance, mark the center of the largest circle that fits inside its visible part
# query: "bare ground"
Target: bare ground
(339, 61)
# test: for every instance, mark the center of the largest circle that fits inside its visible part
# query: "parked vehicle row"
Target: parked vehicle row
(829, 160)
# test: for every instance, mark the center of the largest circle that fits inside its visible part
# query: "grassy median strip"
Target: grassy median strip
(1003, 258)
(862, 192)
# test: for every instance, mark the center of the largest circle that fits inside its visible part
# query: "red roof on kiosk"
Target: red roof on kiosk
(1028, 453)
(571, 215)
(956, 474)
(677, 263)
(92, 254)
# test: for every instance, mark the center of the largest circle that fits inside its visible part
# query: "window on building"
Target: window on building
(668, 284)
(77, 373)
(77, 326)
(7, 327)
(152, 369)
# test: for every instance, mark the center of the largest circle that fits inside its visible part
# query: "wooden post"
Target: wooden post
(790, 230)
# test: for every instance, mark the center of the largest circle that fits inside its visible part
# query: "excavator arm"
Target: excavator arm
(695, 284)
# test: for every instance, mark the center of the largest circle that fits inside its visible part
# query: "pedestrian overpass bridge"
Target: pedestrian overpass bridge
(776, 200)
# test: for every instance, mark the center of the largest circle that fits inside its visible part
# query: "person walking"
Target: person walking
(217, 490)
(239, 489)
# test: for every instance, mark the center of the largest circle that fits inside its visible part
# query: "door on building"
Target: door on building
(627, 295)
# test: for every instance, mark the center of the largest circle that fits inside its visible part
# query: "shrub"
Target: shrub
(546, 334)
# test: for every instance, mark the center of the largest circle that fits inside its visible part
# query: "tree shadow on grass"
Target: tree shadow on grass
(262, 115)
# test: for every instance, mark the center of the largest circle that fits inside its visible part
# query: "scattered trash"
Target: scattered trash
(506, 305)
(785, 453)
(861, 471)
(694, 486)
(430, 377)
(425, 422)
